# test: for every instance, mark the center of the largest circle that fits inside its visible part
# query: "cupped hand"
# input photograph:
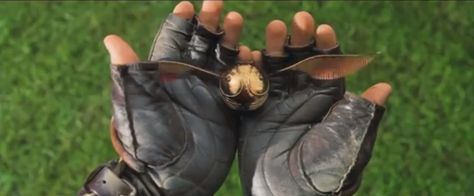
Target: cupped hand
(310, 137)
(176, 135)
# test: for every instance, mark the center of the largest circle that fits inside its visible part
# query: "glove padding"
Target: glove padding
(296, 144)
(177, 133)
(311, 159)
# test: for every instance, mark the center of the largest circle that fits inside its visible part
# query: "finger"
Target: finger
(257, 58)
(184, 9)
(209, 15)
(174, 33)
(119, 50)
(302, 29)
(245, 55)
(275, 38)
(378, 93)
(325, 37)
(233, 23)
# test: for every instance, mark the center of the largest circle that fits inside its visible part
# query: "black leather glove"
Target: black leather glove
(174, 134)
(309, 138)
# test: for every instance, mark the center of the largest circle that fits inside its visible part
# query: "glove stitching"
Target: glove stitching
(292, 149)
(185, 145)
(181, 109)
(152, 49)
(297, 141)
(341, 183)
(183, 148)
(300, 143)
(123, 74)
(350, 99)
(301, 170)
(172, 26)
(305, 175)
(130, 115)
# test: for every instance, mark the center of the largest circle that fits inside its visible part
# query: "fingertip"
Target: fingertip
(119, 50)
(213, 6)
(233, 23)
(302, 28)
(257, 58)
(383, 85)
(378, 93)
(276, 33)
(276, 29)
(184, 9)
(325, 37)
(245, 54)
(109, 39)
(234, 18)
(304, 16)
(210, 12)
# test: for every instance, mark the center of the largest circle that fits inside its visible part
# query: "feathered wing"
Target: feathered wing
(175, 67)
(329, 67)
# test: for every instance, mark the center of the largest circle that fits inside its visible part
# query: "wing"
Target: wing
(329, 67)
(175, 67)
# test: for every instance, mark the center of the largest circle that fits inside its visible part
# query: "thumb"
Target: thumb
(119, 50)
(378, 93)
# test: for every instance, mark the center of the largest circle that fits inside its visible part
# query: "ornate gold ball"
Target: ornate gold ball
(244, 87)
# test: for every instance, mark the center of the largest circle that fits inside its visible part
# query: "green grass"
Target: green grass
(55, 88)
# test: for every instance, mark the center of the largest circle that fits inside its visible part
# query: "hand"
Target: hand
(309, 138)
(175, 135)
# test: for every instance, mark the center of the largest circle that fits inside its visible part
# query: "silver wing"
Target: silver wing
(329, 67)
(175, 67)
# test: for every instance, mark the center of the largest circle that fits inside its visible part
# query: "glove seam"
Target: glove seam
(181, 108)
(372, 114)
(352, 99)
(354, 161)
(273, 135)
(123, 74)
(174, 23)
(300, 143)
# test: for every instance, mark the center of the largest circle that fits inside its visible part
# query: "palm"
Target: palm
(175, 127)
(270, 135)
(310, 138)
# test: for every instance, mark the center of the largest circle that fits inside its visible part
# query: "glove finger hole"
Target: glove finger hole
(298, 53)
(225, 56)
(201, 44)
(172, 38)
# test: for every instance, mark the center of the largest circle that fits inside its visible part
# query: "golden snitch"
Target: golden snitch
(245, 86)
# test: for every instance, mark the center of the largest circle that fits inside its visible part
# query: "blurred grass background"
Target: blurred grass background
(55, 93)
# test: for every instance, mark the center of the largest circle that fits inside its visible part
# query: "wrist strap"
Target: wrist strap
(104, 181)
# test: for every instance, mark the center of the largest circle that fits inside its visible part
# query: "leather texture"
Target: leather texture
(174, 131)
(308, 138)
(177, 137)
